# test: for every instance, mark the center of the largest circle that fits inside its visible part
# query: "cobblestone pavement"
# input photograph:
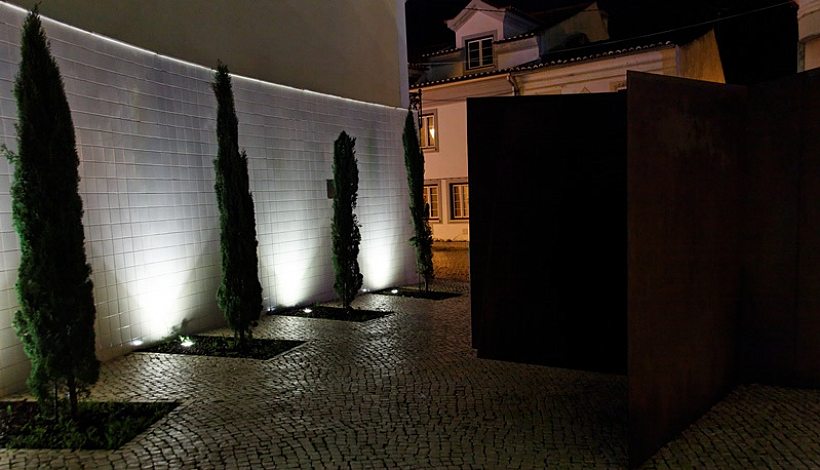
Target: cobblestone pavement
(754, 427)
(451, 261)
(406, 391)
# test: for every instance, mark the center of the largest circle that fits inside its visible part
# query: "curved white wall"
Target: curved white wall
(351, 48)
(146, 137)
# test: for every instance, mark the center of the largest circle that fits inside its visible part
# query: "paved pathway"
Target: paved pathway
(406, 391)
(755, 427)
(451, 260)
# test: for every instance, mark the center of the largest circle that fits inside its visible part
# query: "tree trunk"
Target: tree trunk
(345, 303)
(56, 401)
(72, 396)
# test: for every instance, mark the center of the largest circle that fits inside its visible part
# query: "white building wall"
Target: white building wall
(449, 163)
(808, 24)
(480, 23)
(811, 54)
(449, 160)
(596, 76)
(145, 127)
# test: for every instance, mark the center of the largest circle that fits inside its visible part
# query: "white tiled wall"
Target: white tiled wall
(146, 137)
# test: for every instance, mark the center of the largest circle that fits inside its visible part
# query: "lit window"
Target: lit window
(429, 136)
(480, 52)
(460, 198)
(431, 201)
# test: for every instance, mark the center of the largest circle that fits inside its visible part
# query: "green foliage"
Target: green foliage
(56, 318)
(98, 425)
(345, 228)
(240, 294)
(423, 237)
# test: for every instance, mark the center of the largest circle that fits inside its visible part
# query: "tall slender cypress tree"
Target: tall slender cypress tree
(345, 229)
(240, 294)
(56, 318)
(423, 237)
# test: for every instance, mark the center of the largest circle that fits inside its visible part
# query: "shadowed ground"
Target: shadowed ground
(406, 391)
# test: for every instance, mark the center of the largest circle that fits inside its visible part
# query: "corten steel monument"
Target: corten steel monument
(682, 219)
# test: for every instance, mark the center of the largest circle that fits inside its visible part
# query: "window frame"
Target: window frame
(480, 38)
(463, 207)
(437, 207)
(423, 138)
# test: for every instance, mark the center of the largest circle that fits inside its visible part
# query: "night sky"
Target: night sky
(755, 46)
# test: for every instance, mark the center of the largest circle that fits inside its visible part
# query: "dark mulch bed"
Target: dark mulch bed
(99, 425)
(331, 313)
(221, 346)
(417, 293)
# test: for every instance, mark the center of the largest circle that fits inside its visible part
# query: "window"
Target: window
(480, 52)
(460, 199)
(431, 201)
(429, 135)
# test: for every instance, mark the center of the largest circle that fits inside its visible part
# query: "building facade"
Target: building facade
(808, 24)
(504, 52)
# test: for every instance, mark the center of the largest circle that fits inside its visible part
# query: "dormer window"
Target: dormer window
(479, 52)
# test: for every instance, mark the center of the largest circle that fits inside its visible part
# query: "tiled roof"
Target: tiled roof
(520, 36)
(558, 58)
(441, 52)
(499, 41)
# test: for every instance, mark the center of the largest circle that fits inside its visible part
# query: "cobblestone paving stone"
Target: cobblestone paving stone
(406, 391)
(754, 427)
(451, 261)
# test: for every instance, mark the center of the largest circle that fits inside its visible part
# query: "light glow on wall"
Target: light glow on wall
(377, 265)
(146, 140)
(159, 304)
(293, 285)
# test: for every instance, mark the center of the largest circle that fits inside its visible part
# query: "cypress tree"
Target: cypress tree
(345, 228)
(423, 236)
(240, 294)
(56, 318)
